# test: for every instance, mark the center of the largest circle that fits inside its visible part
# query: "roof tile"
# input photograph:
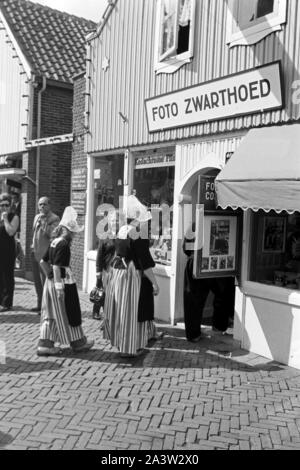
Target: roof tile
(50, 39)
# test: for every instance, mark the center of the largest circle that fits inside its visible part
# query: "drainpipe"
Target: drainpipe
(38, 151)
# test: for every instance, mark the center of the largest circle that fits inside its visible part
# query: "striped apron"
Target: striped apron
(120, 323)
(55, 326)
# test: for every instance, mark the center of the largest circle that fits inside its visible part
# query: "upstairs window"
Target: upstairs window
(252, 11)
(252, 20)
(175, 33)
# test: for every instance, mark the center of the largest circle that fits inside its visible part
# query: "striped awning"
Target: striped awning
(264, 172)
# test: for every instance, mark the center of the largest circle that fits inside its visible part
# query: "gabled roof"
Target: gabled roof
(52, 41)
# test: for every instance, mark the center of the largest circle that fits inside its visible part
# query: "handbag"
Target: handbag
(97, 296)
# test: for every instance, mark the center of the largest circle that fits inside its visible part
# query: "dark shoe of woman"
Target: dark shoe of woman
(126, 356)
(195, 340)
(85, 347)
(158, 335)
(132, 356)
(44, 351)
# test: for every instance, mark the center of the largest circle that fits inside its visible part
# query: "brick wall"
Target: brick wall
(55, 162)
(79, 164)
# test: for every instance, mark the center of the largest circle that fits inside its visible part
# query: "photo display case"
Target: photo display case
(218, 257)
(217, 234)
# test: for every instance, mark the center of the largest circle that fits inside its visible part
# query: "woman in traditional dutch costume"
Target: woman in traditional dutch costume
(61, 313)
(129, 303)
(106, 233)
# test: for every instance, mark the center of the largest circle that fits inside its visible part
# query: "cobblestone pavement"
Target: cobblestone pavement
(177, 396)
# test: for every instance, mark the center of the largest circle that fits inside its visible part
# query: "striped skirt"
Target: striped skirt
(55, 326)
(121, 324)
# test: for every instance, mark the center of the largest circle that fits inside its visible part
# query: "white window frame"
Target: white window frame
(257, 29)
(168, 63)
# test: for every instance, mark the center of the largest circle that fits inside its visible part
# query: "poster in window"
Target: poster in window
(274, 234)
(218, 257)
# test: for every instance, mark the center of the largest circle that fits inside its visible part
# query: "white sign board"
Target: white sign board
(257, 90)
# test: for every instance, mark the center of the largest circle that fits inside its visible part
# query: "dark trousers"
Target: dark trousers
(7, 281)
(38, 278)
(195, 296)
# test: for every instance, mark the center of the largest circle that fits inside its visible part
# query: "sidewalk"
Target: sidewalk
(177, 396)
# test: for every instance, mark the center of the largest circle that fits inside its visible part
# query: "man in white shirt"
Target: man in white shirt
(43, 226)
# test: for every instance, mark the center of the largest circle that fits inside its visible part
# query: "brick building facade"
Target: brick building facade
(79, 165)
(55, 167)
(42, 50)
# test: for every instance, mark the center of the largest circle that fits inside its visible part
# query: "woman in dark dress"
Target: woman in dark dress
(129, 304)
(9, 224)
(105, 254)
(61, 313)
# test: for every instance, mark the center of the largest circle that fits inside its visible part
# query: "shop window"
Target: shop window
(275, 253)
(252, 20)
(108, 185)
(175, 34)
(154, 186)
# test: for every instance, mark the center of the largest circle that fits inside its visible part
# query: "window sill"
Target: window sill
(251, 36)
(253, 33)
(172, 65)
(271, 293)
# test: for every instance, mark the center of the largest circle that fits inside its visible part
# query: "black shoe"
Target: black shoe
(85, 347)
(195, 340)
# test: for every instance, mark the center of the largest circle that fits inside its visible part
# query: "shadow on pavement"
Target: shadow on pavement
(174, 352)
(18, 366)
(5, 439)
(15, 317)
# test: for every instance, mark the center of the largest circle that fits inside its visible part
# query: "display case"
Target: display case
(217, 233)
(218, 256)
(275, 249)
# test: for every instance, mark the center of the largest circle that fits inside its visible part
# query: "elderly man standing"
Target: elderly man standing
(43, 226)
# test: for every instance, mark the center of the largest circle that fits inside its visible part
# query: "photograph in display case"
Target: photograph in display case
(274, 234)
(218, 255)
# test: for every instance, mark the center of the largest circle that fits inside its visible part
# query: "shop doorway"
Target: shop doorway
(218, 288)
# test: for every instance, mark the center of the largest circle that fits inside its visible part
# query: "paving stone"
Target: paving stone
(178, 396)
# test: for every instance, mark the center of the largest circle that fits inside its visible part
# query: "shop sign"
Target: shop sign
(78, 202)
(141, 161)
(256, 90)
(207, 193)
(79, 178)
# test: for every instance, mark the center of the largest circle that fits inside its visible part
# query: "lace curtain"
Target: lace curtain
(185, 12)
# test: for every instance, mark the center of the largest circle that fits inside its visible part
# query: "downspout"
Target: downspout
(38, 134)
